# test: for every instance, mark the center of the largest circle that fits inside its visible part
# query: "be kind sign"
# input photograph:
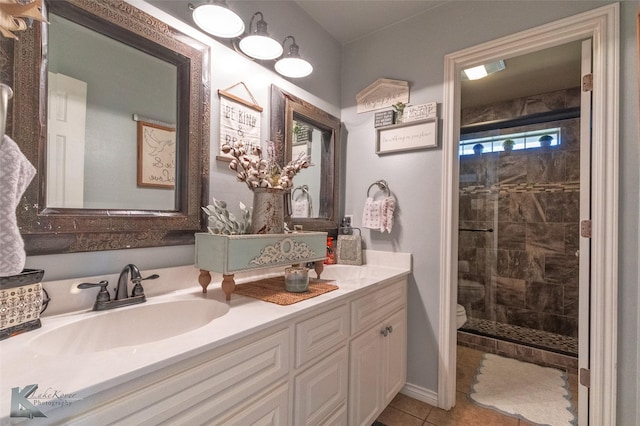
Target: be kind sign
(238, 123)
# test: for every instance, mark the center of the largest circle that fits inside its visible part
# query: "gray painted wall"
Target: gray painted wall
(413, 51)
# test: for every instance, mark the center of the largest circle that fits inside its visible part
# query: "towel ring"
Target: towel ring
(382, 185)
(303, 188)
(305, 191)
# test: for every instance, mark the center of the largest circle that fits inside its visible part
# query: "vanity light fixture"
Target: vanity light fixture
(481, 71)
(217, 19)
(258, 44)
(291, 64)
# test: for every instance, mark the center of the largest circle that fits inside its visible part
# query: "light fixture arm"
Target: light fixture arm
(261, 25)
(290, 63)
(294, 49)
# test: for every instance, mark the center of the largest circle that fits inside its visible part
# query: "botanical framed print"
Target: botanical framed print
(156, 155)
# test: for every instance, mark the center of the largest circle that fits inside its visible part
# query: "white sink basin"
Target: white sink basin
(130, 326)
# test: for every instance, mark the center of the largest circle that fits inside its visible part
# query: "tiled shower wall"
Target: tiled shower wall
(530, 198)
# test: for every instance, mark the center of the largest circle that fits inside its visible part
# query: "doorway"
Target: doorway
(601, 25)
(519, 208)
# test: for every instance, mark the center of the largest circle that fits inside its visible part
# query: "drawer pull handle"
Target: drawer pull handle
(385, 331)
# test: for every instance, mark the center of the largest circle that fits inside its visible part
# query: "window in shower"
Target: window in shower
(522, 140)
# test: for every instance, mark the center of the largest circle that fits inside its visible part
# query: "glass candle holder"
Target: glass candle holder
(296, 279)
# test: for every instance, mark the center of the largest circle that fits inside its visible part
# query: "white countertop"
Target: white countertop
(23, 364)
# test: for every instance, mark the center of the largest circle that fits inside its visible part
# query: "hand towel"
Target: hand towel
(388, 208)
(301, 208)
(16, 173)
(371, 214)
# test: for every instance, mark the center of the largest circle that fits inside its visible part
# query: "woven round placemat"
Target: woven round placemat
(273, 290)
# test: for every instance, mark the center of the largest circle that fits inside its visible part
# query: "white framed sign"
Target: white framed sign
(420, 112)
(407, 136)
(239, 122)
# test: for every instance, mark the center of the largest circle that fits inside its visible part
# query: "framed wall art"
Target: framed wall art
(239, 121)
(156, 155)
(407, 136)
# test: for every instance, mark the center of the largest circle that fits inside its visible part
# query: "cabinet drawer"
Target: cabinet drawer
(203, 392)
(317, 335)
(269, 410)
(321, 389)
(373, 308)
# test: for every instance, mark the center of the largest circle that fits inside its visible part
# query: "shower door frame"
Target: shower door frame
(601, 25)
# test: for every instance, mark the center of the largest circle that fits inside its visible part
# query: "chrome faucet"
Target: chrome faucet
(122, 297)
(131, 270)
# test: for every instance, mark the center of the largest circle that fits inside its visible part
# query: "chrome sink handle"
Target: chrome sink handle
(103, 294)
(122, 291)
(137, 288)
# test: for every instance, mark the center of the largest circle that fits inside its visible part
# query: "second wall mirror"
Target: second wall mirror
(299, 126)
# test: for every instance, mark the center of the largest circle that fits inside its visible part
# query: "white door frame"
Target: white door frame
(602, 25)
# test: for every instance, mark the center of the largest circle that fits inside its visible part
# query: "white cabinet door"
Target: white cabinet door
(378, 368)
(395, 355)
(321, 390)
(365, 377)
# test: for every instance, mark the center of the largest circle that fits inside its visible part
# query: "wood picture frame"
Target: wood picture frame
(239, 122)
(156, 155)
(407, 136)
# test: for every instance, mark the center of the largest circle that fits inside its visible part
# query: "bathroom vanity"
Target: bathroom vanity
(337, 359)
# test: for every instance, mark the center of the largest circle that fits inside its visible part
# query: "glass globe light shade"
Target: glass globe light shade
(218, 20)
(261, 47)
(294, 67)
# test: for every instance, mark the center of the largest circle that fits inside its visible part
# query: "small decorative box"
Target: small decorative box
(384, 118)
(20, 302)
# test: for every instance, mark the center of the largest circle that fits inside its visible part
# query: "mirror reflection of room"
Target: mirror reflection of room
(92, 143)
(306, 192)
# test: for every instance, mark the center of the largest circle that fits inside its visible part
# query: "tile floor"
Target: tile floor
(406, 411)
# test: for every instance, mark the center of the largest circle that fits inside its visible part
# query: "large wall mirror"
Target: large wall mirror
(300, 127)
(112, 107)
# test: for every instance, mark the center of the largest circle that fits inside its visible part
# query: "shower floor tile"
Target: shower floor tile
(564, 345)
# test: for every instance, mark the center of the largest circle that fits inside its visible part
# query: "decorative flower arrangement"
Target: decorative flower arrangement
(399, 109)
(18, 15)
(258, 172)
(221, 221)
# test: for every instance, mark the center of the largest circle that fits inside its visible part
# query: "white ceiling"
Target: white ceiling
(545, 71)
(350, 20)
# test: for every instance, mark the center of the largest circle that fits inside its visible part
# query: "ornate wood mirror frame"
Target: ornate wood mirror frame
(55, 230)
(284, 108)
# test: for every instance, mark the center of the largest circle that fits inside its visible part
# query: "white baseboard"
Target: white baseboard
(421, 394)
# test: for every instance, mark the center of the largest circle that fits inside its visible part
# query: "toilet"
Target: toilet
(469, 292)
(461, 316)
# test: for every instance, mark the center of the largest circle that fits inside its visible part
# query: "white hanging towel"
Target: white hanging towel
(300, 207)
(16, 173)
(372, 214)
(386, 218)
